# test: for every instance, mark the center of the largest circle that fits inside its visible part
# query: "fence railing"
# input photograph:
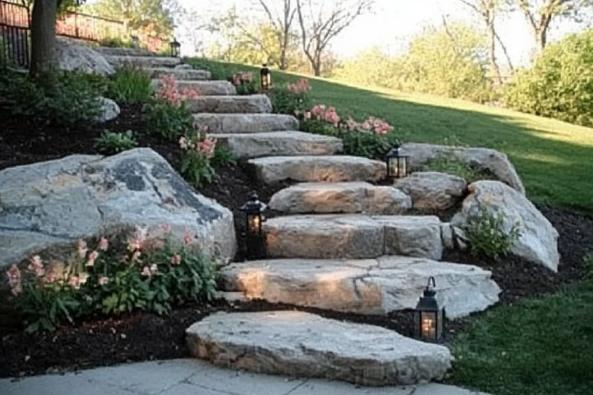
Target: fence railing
(15, 31)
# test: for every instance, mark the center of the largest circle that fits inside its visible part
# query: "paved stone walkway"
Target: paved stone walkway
(191, 377)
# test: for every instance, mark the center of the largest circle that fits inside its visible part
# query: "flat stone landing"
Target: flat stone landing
(300, 344)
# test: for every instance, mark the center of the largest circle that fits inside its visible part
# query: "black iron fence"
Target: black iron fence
(14, 34)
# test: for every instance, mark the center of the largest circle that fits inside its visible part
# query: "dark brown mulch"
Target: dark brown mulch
(139, 337)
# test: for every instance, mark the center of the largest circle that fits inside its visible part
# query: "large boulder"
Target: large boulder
(53, 203)
(485, 159)
(73, 55)
(433, 191)
(538, 242)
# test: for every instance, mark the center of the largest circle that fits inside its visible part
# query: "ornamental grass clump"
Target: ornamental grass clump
(146, 271)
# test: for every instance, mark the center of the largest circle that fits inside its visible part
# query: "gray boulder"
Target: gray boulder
(73, 55)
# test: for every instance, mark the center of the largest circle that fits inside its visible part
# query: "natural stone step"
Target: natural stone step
(317, 168)
(112, 51)
(143, 61)
(231, 104)
(340, 197)
(204, 88)
(303, 345)
(253, 145)
(179, 74)
(246, 123)
(353, 236)
(371, 286)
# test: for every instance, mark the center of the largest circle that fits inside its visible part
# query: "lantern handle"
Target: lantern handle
(431, 280)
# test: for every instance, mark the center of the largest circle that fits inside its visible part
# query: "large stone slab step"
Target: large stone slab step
(372, 286)
(340, 197)
(246, 123)
(143, 61)
(303, 345)
(204, 88)
(254, 145)
(179, 74)
(230, 104)
(317, 168)
(353, 236)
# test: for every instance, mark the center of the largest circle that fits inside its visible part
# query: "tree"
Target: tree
(319, 27)
(282, 23)
(540, 13)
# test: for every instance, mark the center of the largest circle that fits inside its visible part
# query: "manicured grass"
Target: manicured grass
(554, 159)
(540, 347)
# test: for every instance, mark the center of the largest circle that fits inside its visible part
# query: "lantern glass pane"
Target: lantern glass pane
(402, 167)
(428, 326)
(254, 223)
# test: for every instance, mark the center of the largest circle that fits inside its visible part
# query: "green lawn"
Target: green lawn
(554, 159)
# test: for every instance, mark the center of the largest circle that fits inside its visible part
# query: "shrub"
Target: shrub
(111, 143)
(560, 83)
(115, 42)
(168, 116)
(487, 233)
(291, 98)
(130, 85)
(150, 273)
(198, 150)
(244, 83)
(223, 156)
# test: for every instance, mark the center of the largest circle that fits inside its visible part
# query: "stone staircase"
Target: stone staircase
(342, 244)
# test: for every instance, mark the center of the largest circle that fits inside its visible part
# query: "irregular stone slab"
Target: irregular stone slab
(433, 191)
(486, 159)
(50, 203)
(305, 345)
(353, 236)
(179, 74)
(254, 145)
(112, 51)
(371, 286)
(230, 104)
(246, 123)
(109, 110)
(204, 88)
(340, 197)
(538, 242)
(143, 61)
(317, 168)
(72, 55)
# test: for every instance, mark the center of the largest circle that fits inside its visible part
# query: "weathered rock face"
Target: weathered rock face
(230, 104)
(305, 345)
(489, 160)
(317, 168)
(57, 202)
(353, 236)
(109, 110)
(246, 123)
(293, 143)
(204, 88)
(179, 74)
(539, 239)
(73, 55)
(432, 191)
(340, 197)
(371, 286)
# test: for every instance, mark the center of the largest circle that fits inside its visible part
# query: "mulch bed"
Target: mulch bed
(106, 341)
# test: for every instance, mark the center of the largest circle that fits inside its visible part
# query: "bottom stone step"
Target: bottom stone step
(304, 345)
(369, 286)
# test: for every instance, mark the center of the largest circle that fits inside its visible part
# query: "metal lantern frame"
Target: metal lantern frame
(397, 163)
(255, 247)
(265, 77)
(429, 317)
(175, 48)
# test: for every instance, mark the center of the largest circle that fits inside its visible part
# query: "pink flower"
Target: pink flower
(145, 272)
(82, 278)
(81, 248)
(103, 281)
(14, 279)
(188, 93)
(236, 79)
(247, 76)
(91, 258)
(136, 256)
(297, 113)
(187, 237)
(50, 278)
(138, 239)
(206, 147)
(36, 265)
(308, 115)
(176, 259)
(16, 289)
(183, 143)
(103, 244)
(74, 282)
(166, 227)
(153, 268)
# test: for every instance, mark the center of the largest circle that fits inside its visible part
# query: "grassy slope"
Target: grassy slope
(554, 159)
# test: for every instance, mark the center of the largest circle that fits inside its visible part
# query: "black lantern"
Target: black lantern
(175, 48)
(397, 163)
(254, 208)
(429, 317)
(266, 78)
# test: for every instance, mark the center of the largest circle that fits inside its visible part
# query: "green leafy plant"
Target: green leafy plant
(111, 143)
(196, 165)
(488, 233)
(130, 85)
(291, 98)
(148, 271)
(223, 156)
(456, 167)
(115, 42)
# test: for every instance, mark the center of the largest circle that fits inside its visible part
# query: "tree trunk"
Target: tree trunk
(43, 42)
(493, 64)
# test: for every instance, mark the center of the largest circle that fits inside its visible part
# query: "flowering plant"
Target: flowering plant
(145, 272)
(198, 150)
(244, 83)
(292, 97)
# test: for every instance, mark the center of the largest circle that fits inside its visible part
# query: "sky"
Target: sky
(394, 22)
